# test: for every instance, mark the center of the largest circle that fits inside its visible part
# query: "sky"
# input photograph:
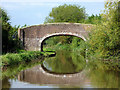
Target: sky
(34, 12)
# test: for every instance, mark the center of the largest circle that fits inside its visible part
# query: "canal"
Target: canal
(66, 70)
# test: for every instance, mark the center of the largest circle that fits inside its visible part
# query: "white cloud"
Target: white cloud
(53, 0)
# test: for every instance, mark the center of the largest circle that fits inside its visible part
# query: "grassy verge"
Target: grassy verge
(10, 59)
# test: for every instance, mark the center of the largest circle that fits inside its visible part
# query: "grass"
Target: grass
(22, 57)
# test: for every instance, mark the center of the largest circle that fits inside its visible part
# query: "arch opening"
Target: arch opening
(56, 35)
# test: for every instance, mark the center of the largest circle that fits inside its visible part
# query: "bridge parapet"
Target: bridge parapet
(33, 36)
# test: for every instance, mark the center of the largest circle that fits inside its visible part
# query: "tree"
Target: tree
(66, 13)
(9, 42)
(105, 38)
(5, 29)
(94, 19)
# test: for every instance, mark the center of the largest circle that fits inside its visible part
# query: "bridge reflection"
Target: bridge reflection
(37, 75)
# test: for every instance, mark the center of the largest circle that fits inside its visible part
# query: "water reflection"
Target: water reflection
(101, 76)
(36, 76)
(6, 83)
(93, 74)
(65, 62)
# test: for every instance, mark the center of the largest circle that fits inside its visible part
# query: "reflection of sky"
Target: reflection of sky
(19, 84)
(46, 65)
(32, 12)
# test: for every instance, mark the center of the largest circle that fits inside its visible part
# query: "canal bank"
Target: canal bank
(11, 59)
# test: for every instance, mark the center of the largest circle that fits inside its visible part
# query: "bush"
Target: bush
(105, 38)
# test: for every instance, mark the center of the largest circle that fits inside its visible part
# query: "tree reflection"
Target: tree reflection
(65, 62)
(101, 76)
(6, 84)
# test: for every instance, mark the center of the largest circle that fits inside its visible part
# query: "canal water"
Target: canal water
(65, 70)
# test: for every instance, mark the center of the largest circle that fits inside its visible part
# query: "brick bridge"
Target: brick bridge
(32, 37)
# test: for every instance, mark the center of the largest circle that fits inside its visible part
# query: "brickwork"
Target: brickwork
(33, 36)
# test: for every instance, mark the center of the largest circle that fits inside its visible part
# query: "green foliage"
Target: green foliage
(94, 19)
(58, 40)
(26, 56)
(75, 42)
(105, 38)
(65, 42)
(10, 41)
(13, 41)
(71, 44)
(5, 18)
(5, 29)
(66, 13)
(13, 32)
(48, 19)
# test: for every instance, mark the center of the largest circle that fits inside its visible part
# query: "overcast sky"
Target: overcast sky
(32, 12)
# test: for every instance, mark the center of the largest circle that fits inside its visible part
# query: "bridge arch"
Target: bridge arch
(59, 34)
(33, 36)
